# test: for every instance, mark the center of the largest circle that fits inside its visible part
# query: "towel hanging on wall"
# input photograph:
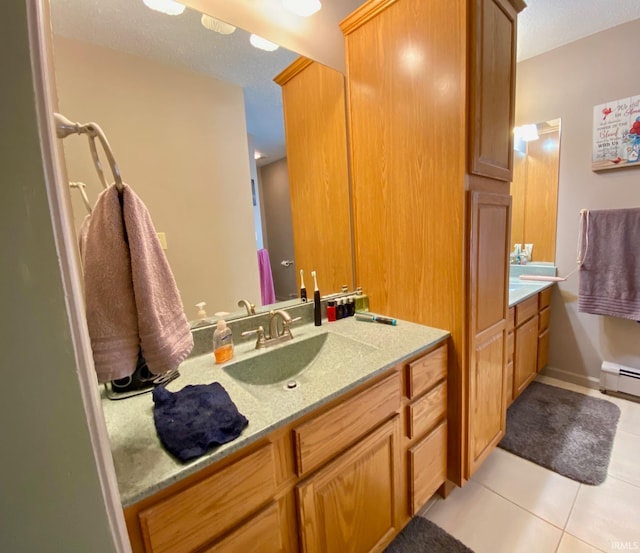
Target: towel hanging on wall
(131, 296)
(610, 267)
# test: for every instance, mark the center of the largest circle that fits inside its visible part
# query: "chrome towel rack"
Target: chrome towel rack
(65, 127)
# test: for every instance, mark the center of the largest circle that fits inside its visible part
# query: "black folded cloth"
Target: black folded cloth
(191, 421)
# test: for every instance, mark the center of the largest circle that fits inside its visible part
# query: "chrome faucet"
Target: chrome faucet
(251, 309)
(279, 329)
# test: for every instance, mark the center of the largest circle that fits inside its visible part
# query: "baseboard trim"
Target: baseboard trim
(568, 376)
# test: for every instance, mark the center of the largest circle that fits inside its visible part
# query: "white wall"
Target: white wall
(567, 82)
(50, 497)
(180, 139)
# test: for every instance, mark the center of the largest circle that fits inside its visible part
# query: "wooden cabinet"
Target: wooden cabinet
(353, 503)
(493, 62)
(436, 173)
(528, 342)
(346, 477)
(313, 101)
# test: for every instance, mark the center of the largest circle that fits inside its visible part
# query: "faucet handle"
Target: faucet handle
(261, 342)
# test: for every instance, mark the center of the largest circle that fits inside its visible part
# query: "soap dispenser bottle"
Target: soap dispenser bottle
(362, 300)
(222, 342)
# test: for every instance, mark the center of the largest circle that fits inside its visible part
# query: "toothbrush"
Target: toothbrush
(303, 290)
(317, 311)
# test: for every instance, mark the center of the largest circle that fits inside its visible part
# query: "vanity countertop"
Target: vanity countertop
(144, 467)
(520, 290)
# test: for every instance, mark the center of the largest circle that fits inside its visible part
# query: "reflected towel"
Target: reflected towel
(610, 273)
(196, 418)
(131, 296)
(266, 279)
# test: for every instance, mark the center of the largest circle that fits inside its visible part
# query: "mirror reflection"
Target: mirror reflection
(534, 189)
(195, 122)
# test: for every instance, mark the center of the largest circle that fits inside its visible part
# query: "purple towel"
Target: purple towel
(266, 279)
(196, 418)
(610, 272)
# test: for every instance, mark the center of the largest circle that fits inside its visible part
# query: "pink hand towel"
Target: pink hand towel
(131, 295)
(266, 278)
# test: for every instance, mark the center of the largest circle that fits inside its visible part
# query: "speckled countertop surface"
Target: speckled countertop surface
(520, 290)
(144, 467)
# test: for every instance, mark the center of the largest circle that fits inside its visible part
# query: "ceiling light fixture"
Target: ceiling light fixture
(170, 7)
(216, 25)
(257, 155)
(262, 43)
(303, 8)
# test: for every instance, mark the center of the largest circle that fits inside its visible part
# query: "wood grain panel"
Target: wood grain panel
(427, 410)
(544, 298)
(511, 319)
(541, 195)
(508, 387)
(487, 406)
(510, 346)
(490, 222)
(407, 102)
(518, 187)
(315, 125)
(543, 321)
(196, 515)
(526, 362)
(543, 350)
(324, 436)
(353, 504)
(526, 309)
(260, 534)
(493, 40)
(426, 371)
(427, 467)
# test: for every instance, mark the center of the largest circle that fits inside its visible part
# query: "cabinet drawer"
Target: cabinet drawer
(322, 437)
(544, 298)
(427, 410)
(427, 467)
(198, 514)
(511, 319)
(260, 534)
(427, 371)
(543, 322)
(526, 309)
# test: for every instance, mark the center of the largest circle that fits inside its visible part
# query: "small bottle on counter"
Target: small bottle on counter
(351, 305)
(222, 342)
(331, 310)
(362, 300)
(340, 309)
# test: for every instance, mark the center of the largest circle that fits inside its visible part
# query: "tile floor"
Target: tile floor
(514, 506)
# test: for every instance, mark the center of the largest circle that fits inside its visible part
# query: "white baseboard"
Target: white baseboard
(568, 376)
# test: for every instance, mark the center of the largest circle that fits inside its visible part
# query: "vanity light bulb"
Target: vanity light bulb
(170, 7)
(216, 25)
(262, 43)
(303, 8)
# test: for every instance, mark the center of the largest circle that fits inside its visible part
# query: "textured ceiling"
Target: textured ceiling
(129, 26)
(547, 24)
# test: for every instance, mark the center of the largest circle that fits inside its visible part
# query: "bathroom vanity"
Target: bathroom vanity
(345, 457)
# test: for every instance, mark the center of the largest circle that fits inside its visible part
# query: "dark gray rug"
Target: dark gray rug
(423, 536)
(567, 432)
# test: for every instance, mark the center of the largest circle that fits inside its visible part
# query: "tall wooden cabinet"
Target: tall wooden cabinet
(316, 130)
(430, 103)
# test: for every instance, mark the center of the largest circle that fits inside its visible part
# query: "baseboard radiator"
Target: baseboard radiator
(618, 378)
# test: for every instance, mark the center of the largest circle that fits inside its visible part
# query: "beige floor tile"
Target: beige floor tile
(629, 416)
(488, 523)
(532, 487)
(571, 544)
(607, 516)
(625, 456)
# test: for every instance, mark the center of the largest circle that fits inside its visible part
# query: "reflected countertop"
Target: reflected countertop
(144, 467)
(520, 290)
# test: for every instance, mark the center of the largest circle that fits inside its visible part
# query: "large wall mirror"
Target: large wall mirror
(195, 121)
(534, 188)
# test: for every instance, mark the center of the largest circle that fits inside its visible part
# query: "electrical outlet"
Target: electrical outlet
(162, 237)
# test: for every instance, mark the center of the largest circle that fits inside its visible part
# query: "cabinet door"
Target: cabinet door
(489, 236)
(526, 362)
(353, 504)
(493, 65)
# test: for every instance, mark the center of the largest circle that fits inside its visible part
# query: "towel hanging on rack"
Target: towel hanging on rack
(610, 269)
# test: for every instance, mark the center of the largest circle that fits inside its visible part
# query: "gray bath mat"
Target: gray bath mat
(567, 432)
(423, 536)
